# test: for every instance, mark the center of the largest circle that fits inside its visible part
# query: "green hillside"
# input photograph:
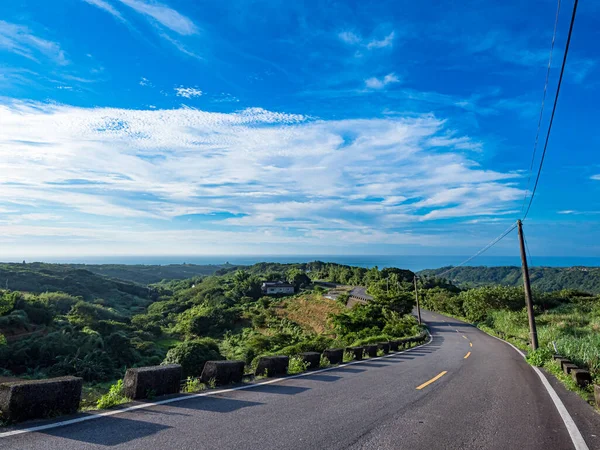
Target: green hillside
(545, 279)
(125, 297)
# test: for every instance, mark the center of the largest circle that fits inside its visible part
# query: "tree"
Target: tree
(192, 355)
(298, 278)
(8, 300)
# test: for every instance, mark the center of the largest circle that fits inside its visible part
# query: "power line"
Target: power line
(528, 252)
(537, 133)
(562, 71)
(484, 249)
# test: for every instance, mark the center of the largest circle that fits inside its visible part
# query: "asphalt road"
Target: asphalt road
(489, 400)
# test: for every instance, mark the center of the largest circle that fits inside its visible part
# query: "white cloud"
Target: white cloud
(104, 5)
(187, 92)
(595, 177)
(163, 15)
(20, 39)
(387, 41)
(280, 177)
(380, 83)
(145, 82)
(349, 37)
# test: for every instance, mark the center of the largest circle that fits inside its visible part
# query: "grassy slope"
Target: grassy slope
(310, 311)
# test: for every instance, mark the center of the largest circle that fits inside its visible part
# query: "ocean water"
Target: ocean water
(414, 262)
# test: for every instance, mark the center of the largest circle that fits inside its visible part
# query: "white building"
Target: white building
(277, 287)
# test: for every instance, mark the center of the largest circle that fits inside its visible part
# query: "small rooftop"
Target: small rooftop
(277, 284)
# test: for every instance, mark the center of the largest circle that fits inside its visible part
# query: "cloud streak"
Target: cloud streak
(20, 39)
(163, 15)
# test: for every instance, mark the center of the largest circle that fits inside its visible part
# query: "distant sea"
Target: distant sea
(414, 263)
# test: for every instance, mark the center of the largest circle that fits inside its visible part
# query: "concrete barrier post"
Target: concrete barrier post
(567, 368)
(371, 350)
(357, 351)
(223, 372)
(334, 355)
(394, 346)
(597, 394)
(272, 366)
(581, 377)
(36, 399)
(143, 382)
(312, 358)
(385, 346)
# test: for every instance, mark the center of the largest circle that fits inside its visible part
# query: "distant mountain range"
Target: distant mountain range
(546, 279)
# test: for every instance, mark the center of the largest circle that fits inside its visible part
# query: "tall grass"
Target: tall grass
(574, 328)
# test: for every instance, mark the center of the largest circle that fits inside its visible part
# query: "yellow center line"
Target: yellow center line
(470, 344)
(437, 377)
(467, 355)
(465, 337)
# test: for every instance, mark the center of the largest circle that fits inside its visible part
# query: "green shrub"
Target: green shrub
(193, 385)
(348, 356)
(539, 356)
(297, 365)
(324, 362)
(192, 355)
(114, 397)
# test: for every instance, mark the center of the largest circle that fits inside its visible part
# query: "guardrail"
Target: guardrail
(33, 399)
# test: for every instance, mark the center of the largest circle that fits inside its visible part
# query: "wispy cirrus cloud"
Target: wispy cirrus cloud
(355, 39)
(104, 5)
(282, 176)
(387, 41)
(21, 40)
(163, 15)
(595, 177)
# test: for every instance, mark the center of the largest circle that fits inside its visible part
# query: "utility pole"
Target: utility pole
(417, 299)
(527, 286)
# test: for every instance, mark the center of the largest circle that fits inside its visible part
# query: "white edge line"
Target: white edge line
(574, 433)
(192, 396)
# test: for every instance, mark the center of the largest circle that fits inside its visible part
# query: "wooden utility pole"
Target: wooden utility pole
(527, 286)
(417, 298)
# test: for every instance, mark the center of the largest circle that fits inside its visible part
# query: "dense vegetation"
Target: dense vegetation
(70, 321)
(28, 275)
(545, 279)
(59, 320)
(570, 319)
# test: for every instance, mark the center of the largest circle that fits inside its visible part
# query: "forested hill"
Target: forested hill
(543, 278)
(150, 274)
(124, 296)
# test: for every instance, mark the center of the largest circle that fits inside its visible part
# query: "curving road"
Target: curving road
(490, 399)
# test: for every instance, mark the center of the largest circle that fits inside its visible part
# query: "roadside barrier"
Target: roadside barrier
(36, 399)
(272, 366)
(371, 350)
(223, 372)
(357, 351)
(145, 382)
(385, 346)
(334, 355)
(312, 358)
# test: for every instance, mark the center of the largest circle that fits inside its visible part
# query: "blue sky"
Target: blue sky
(132, 127)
